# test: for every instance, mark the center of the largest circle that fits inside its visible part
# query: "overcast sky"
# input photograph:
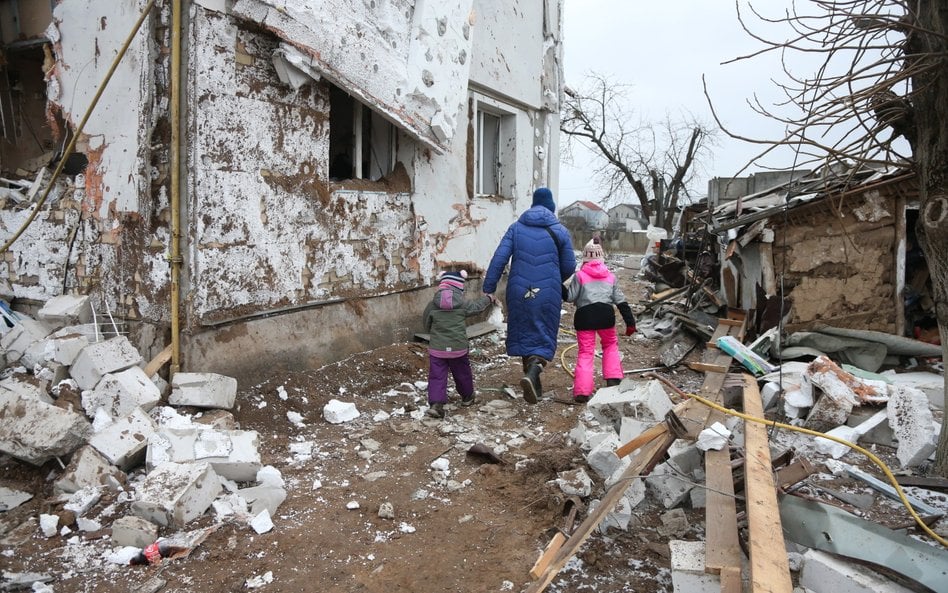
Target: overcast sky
(662, 49)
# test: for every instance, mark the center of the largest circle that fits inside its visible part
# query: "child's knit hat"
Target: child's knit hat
(593, 250)
(452, 279)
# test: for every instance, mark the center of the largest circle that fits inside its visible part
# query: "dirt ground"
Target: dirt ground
(478, 527)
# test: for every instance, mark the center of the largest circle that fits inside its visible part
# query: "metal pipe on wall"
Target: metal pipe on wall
(175, 157)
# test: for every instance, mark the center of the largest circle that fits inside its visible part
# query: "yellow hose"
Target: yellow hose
(748, 418)
(855, 447)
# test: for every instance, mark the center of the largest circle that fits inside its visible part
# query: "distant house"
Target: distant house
(627, 217)
(592, 215)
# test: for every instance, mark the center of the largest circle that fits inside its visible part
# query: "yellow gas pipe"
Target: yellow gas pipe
(175, 157)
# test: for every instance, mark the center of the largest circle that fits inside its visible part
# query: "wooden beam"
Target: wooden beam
(731, 580)
(769, 569)
(157, 362)
(707, 367)
(642, 440)
(547, 556)
(643, 462)
(722, 546)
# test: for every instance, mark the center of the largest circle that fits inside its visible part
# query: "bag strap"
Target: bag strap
(555, 240)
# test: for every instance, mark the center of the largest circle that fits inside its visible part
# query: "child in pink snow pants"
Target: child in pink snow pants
(596, 293)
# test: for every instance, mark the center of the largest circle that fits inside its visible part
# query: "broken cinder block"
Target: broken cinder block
(88, 468)
(232, 453)
(123, 442)
(101, 358)
(913, 423)
(35, 432)
(641, 401)
(204, 390)
(120, 393)
(133, 531)
(66, 309)
(173, 494)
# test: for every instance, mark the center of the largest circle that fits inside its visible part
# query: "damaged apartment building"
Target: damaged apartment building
(267, 184)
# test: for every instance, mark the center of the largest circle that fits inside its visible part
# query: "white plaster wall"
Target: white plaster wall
(408, 60)
(504, 33)
(264, 232)
(87, 35)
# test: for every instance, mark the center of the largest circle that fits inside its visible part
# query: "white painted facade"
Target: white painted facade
(267, 232)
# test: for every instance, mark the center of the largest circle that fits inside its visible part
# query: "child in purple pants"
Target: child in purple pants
(594, 290)
(445, 319)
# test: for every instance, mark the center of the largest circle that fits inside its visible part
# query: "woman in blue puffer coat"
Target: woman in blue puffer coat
(541, 258)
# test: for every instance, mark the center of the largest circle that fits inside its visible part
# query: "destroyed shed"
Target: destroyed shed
(334, 156)
(842, 242)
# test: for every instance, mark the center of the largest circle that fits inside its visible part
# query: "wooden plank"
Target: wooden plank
(722, 546)
(157, 362)
(707, 367)
(643, 462)
(769, 569)
(547, 556)
(731, 580)
(642, 440)
(799, 470)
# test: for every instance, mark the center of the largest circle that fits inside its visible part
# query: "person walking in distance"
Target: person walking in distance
(541, 258)
(595, 292)
(445, 319)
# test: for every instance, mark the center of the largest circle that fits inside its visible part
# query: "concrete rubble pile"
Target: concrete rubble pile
(874, 410)
(171, 452)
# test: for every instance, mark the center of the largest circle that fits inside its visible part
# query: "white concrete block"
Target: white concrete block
(88, 468)
(204, 390)
(687, 565)
(666, 486)
(629, 428)
(574, 482)
(64, 348)
(66, 309)
(617, 518)
(123, 442)
(880, 435)
(35, 431)
(603, 459)
(913, 423)
(101, 358)
(824, 573)
(26, 386)
(233, 454)
(931, 384)
(634, 399)
(699, 498)
(133, 531)
(120, 393)
(173, 494)
(337, 412)
(21, 336)
(263, 498)
(684, 456)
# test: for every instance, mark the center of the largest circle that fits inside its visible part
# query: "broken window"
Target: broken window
(493, 151)
(27, 138)
(361, 142)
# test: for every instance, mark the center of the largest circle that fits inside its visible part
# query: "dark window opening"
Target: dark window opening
(30, 134)
(361, 142)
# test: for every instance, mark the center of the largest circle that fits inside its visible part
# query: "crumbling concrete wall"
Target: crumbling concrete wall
(839, 263)
(266, 233)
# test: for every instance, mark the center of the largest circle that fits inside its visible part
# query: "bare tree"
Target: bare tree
(657, 162)
(879, 94)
